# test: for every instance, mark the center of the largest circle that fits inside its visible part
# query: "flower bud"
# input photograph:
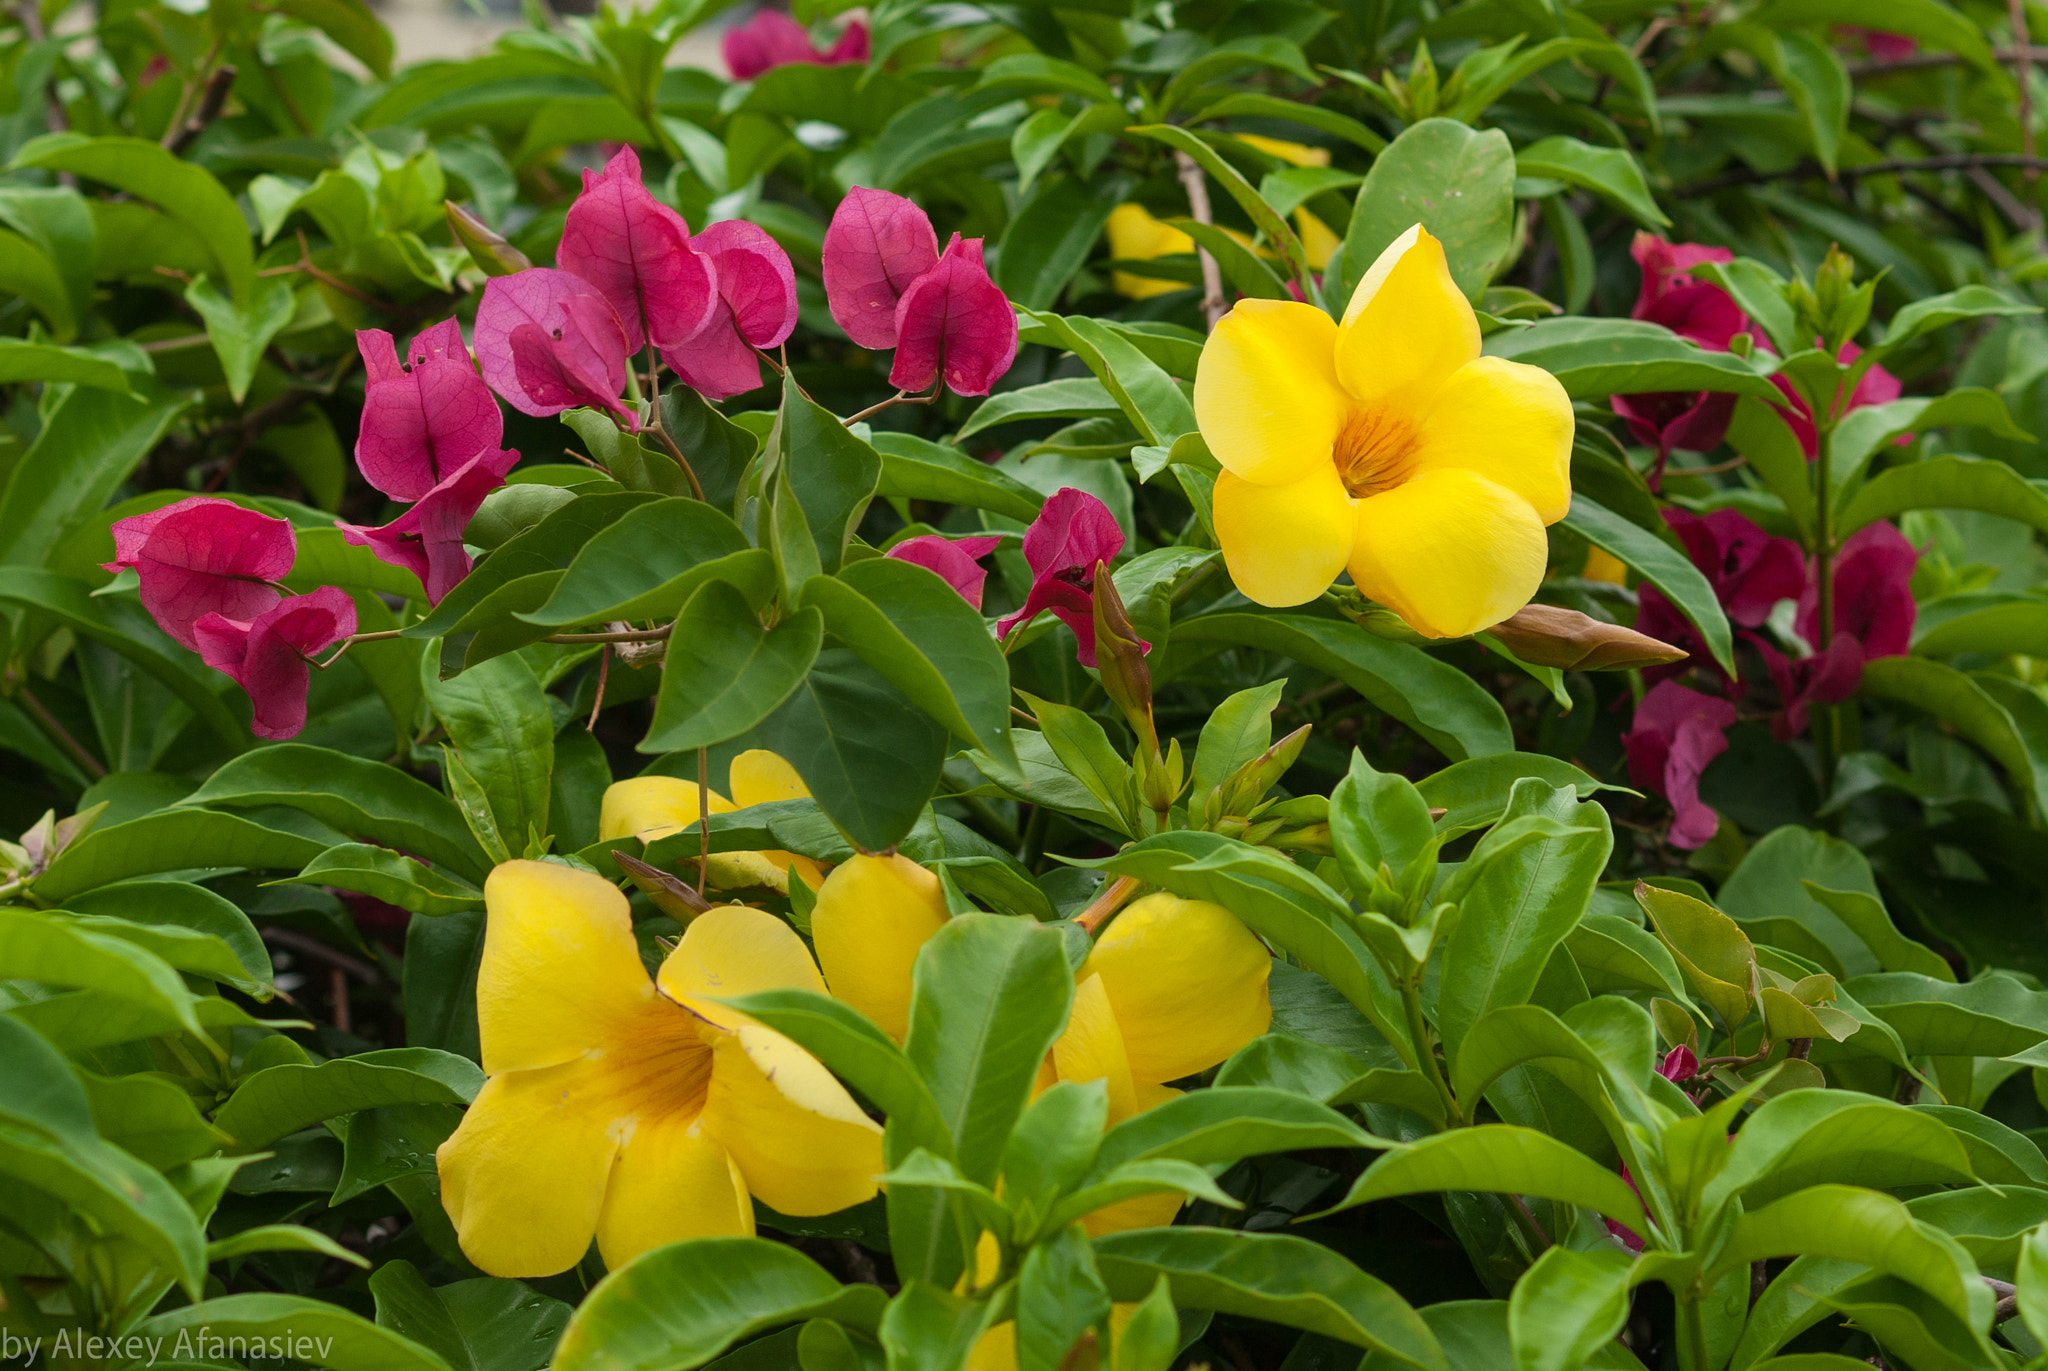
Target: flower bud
(488, 250)
(1120, 657)
(1545, 635)
(671, 895)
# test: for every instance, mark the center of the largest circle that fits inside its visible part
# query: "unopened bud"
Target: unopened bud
(1545, 635)
(1246, 786)
(487, 249)
(1160, 777)
(1120, 658)
(671, 895)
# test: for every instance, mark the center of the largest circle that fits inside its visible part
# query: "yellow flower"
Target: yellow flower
(997, 1349)
(1135, 236)
(650, 807)
(1318, 243)
(872, 916)
(1171, 988)
(1602, 565)
(1385, 444)
(636, 1114)
(1301, 154)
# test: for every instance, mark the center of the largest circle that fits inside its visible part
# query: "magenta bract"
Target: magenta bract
(1825, 678)
(201, 556)
(955, 560)
(267, 656)
(1699, 311)
(1676, 733)
(425, 419)
(427, 539)
(772, 39)
(877, 245)
(954, 323)
(756, 308)
(637, 252)
(1874, 603)
(1070, 535)
(549, 341)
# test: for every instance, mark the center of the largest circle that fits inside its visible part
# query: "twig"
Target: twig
(604, 670)
(1919, 60)
(650, 635)
(2015, 210)
(1197, 187)
(2022, 73)
(689, 472)
(1891, 166)
(336, 283)
(63, 735)
(901, 397)
(363, 971)
(337, 991)
(211, 103)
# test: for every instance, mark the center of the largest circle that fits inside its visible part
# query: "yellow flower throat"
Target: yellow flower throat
(1375, 451)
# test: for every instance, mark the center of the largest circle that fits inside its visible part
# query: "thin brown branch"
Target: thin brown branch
(901, 397)
(211, 102)
(1196, 184)
(651, 635)
(62, 735)
(336, 283)
(1921, 60)
(366, 972)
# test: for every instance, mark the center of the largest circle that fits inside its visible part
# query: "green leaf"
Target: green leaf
(283, 1099)
(1029, 71)
(1913, 1328)
(1244, 269)
(1236, 732)
(989, 995)
(1864, 432)
(1437, 700)
(1928, 20)
(928, 1326)
(1474, 793)
(308, 1330)
(1848, 1223)
(89, 444)
(1864, 915)
(1060, 1296)
(1270, 1276)
(352, 25)
(1072, 397)
(1610, 173)
(1519, 908)
(1939, 311)
(150, 1118)
(681, 1305)
(1766, 894)
(1671, 572)
(183, 190)
(1812, 1137)
(170, 840)
(242, 328)
(2031, 1281)
(649, 563)
(24, 361)
(849, 1043)
(367, 800)
(281, 1237)
(48, 1144)
(869, 756)
(1218, 1127)
(390, 1143)
(827, 472)
(724, 673)
(1504, 1159)
(548, 546)
(1265, 219)
(389, 876)
(1990, 623)
(1144, 392)
(1613, 954)
(475, 1325)
(180, 904)
(1995, 1015)
(1566, 1307)
(1967, 705)
(1295, 111)
(1948, 482)
(915, 468)
(1457, 182)
(497, 717)
(29, 272)
(1087, 756)
(1595, 358)
(918, 632)
(1050, 236)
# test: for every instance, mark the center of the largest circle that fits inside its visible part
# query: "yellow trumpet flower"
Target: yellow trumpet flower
(636, 1109)
(872, 915)
(1385, 444)
(1135, 236)
(650, 807)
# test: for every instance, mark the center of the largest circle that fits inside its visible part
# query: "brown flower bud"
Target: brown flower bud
(488, 250)
(670, 894)
(1544, 635)
(1120, 658)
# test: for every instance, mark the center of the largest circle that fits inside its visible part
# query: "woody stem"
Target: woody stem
(660, 432)
(1197, 187)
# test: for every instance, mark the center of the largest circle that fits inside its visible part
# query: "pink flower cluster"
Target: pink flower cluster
(1708, 316)
(1072, 535)
(1678, 730)
(889, 286)
(772, 39)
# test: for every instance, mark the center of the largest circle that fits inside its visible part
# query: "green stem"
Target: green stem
(1826, 729)
(1692, 1335)
(1425, 1054)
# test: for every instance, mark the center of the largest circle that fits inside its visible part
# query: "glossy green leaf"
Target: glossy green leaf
(1566, 1306)
(1948, 482)
(1457, 182)
(724, 672)
(1965, 703)
(1811, 1137)
(283, 1099)
(1595, 358)
(497, 717)
(1671, 572)
(475, 1325)
(1505, 1159)
(311, 1330)
(389, 876)
(915, 468)
(1049, 238)
(1610, 173)
(649, 563)
(170, 840)
(1939, 311)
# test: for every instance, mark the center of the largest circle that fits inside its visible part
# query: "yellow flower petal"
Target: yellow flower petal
(872, 916)
(1267, 397)
(1135, 236)
(1141, 1211)
(1092, 1049)
(561, 974)
(997, 1348)
(759, 777)
(671, 1182)
(797, 1136)
(1450, 552)
(1300, 154)
(1187, 983)
(1284, 545)
(651, 806)
(1317, 241)
(523, 1176)
(731, 951)
(1602, 565)
(1511, 423)
(1407, 329)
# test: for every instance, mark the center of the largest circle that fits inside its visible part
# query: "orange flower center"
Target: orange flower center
(1375, 451)
(660, 1065)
